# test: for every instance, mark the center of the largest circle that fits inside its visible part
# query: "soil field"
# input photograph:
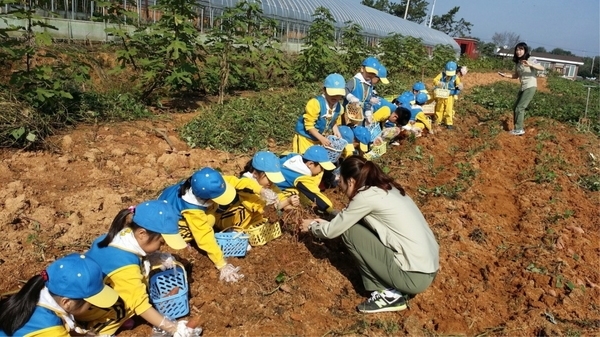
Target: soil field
(519, 234)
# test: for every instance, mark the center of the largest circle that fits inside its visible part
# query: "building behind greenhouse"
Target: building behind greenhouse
(293, 17)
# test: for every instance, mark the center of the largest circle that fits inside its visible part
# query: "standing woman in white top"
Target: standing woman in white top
(525, 71)
(385, 232)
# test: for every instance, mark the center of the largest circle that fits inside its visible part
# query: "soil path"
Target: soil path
(519, 235)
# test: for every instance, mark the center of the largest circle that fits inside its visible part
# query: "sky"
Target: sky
(570, 25)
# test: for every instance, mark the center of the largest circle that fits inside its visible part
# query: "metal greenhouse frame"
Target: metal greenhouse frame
(294, 17)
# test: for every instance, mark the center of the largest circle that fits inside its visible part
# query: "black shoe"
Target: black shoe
(381, 301)
(449, 127)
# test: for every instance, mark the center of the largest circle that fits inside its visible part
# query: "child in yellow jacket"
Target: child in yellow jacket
(253, 193)
(303, 175)
(134, 235)
(191, 199)
(47, 302)
(448, 80)
(321, 116)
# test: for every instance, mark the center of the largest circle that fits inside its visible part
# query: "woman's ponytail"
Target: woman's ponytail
(16, 310)
(122, 219)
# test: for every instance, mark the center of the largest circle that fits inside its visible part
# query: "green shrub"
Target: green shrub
(246, 124)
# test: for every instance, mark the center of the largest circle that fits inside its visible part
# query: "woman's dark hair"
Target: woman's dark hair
(525, 56)
(122, 220)
(16, 310)
(249, 168)
(366, 174)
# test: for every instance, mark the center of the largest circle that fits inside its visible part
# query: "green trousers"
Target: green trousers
(523, 99)
(377, 266)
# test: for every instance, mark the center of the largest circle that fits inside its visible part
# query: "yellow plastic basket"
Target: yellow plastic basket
(376, 151)
(429, 109)
(263, 233)
(441, 93)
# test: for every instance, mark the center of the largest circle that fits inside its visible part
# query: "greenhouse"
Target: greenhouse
(293, 17)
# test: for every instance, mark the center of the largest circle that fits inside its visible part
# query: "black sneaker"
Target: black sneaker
(449, 127)
(381, 301)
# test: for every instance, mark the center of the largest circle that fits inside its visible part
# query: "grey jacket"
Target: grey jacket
(397, 221)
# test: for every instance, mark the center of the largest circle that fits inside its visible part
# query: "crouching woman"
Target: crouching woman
(385, 232)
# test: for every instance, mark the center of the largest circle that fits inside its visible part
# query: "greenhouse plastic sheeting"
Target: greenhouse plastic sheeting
(372, 21)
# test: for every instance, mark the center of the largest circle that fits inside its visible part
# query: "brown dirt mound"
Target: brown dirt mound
(519, 236)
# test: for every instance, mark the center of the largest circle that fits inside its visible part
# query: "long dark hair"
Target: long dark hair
(366, 174)
(249, 168)
(525, 55)
(16, 310)
(122, 220)
(187, 184)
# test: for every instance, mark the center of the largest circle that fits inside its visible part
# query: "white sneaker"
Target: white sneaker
(395, 143)
(517, 132)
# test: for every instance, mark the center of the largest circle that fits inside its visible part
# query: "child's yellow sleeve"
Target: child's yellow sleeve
(437, 79)
(382, 114)
(244, 184)
(201, 226)
(128, 282)
(311, 113)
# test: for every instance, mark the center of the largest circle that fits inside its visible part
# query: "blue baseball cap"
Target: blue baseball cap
(318, 154)
(363, 136)
(335, 85)
(76, 276)
(421, 98)
(405, 99)
(348, 135)
(208, 183)
(160, 217)
(450, 68)
(382, 74)
(372, 65)
(268, 163)
(418, 86)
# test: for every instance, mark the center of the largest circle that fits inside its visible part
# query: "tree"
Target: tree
(382, 5)
(354, 49)
(447, 24)
(560, 51)
(417, 10)
(320, 56)
(540, 50)
(486, 49)
(506, 39)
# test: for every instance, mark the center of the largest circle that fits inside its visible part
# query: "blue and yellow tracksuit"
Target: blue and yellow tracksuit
(195, 224)
(246, 209)
(304, 185)
(360, 89)
(317, 115)
(122, 270)
(43, 323)
(444, 110)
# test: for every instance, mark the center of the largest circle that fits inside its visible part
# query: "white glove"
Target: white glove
(229, 273)
(374, 100)
(352, 99)
(268, 195)
(184, 331)
(164, 260)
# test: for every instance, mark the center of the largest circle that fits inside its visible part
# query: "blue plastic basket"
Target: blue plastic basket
(233, 243)
(337, 146)
(161, 283)
(375, 130)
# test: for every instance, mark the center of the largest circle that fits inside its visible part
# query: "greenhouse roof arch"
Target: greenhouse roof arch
(372, 21)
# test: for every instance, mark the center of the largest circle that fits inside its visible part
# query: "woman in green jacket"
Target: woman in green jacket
(385, 232)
